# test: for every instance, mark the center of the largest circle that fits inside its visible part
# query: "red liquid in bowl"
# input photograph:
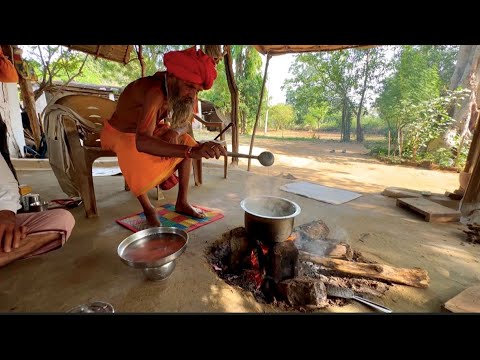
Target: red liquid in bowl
(153, 248)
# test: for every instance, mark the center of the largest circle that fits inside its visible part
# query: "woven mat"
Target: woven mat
(168, 217)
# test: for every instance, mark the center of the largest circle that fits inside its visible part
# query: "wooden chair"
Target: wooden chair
(82, 131)
(197, 163)
(83, 137)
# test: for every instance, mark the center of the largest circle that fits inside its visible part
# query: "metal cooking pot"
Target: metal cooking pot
(269, 218)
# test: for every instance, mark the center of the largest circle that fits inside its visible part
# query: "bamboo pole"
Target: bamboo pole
(258, 110)
(232, 86)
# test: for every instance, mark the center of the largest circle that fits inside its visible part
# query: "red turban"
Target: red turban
(191, 65)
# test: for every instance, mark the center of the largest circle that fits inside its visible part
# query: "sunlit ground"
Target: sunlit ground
(333, 163)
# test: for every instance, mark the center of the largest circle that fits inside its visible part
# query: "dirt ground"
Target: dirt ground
(87, 267)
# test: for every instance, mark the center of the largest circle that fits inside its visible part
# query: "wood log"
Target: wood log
(465, 302)
(340, 251)
(412, 277)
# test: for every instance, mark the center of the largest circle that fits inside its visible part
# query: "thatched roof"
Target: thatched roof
(119, 53)
(288, 49)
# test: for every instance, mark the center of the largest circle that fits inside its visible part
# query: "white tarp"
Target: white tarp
(319, 192)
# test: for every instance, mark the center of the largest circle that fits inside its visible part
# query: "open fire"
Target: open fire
(276, 273)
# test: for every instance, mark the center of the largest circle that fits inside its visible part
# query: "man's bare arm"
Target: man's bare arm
(147, 143)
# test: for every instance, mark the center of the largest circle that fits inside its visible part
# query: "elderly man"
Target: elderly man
(148, 148)
(24, 235)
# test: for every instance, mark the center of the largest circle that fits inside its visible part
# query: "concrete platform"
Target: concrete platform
(87, 267)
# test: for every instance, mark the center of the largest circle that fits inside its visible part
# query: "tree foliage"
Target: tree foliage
(344, 79)
(247, 68)
(431, 119)
(414, 81)
(57, 63)
(316, 114)
(281, 116)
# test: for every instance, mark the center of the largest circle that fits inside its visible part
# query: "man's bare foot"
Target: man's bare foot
(152, 218)
(189, 210)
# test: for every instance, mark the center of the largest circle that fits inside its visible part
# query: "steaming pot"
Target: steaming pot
(269, 218)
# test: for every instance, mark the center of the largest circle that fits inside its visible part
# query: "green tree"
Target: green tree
(414, 81)
(432, 119)
(51, 62)
(57, 63)
(248, 76)
(281, 116)
(345, 79)
(316, 115)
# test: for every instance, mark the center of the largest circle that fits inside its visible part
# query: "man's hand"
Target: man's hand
(10, 234)
(208, 150)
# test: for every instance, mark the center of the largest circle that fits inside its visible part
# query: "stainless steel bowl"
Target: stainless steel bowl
(160, 272)
(93, 307)
(38, 206)
(159, 269)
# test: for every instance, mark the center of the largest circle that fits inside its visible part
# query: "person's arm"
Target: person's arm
(147, 143)
(8, 73)
(10, 234)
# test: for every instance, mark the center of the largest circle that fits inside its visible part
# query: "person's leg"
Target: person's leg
(29, 246)
(149, 210)
(182, 206)
(46, 231)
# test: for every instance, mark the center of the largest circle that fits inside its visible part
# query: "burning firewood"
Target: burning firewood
(473, 233)
(412, 277)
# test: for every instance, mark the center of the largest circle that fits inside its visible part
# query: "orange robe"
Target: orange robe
(8, 73)
(142, 171)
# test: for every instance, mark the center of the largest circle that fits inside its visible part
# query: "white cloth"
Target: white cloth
(321, 193)
(58, 154)
(9, 194)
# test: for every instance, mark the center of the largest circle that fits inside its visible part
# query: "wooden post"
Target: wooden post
(28, 100)
(471, 199)
(232, 86)
(139, 51)
(474, 151)
(389, 139)
(258, 110)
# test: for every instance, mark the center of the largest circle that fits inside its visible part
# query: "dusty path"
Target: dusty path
(353, 170)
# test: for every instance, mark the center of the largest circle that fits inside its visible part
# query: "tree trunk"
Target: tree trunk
(342, 126)
(232, 86)
(349, 122)
(346, 120)
(141, 59)
(466, 75)
(471, 199)
(30, 108)
(463, 57)
(244, 123)
(400, 142)
(362, 98)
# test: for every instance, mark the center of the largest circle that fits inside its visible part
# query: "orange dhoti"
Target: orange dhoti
(142, 171)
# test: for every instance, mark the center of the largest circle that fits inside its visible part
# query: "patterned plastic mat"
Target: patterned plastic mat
(168, 217)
